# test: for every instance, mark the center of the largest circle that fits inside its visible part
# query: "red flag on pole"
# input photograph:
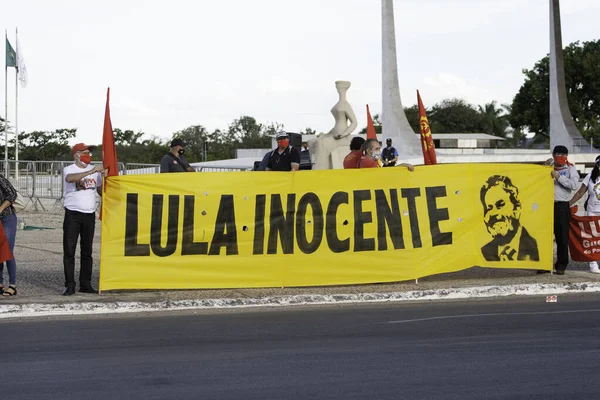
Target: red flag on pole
(426, 139)
(109, 152)
(371, 134)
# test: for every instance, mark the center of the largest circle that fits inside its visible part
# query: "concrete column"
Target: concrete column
(562, 128)
(394, 121)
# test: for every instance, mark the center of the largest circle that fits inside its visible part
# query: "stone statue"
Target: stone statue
(323, 147)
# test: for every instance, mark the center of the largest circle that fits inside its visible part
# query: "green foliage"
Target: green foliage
(457, 116)
(194, 136)
(454, 116)
(148, 151)
(127, 138)
(246, 133)
(376, 124)
(412, 114)
(494, 120)
(582, 79)
(45, 145)
(308, 131)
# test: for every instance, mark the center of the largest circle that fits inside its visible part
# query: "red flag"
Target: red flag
(5, 253)
(426, 139)
(109, 152)
(371, 134)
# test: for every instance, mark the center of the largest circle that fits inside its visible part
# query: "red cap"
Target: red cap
(81, 147)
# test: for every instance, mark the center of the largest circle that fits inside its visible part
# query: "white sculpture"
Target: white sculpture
(323, 147)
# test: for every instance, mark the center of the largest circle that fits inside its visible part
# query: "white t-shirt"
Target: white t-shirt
(593, 193)
(81, 195)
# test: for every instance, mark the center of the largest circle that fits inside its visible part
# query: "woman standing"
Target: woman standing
(591, 184)
(8, 218)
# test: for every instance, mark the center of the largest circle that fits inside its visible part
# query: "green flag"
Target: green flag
(11, 56)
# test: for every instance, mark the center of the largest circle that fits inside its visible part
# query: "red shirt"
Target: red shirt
(368, 162)
(352, 159)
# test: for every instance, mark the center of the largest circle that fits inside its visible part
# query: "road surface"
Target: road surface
(511, 348)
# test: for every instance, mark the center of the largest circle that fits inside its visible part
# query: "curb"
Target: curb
(87, 308)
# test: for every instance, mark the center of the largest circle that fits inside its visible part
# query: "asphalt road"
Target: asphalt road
(521, 348)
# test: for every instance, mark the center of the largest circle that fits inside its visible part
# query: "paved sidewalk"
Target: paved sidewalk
(40, 283)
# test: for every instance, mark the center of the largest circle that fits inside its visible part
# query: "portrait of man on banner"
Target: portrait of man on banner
(502, 217)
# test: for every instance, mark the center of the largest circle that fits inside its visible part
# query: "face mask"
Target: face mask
(560, 160)
(284, 143)
(85, 159)
(376, 155)
(181, 151)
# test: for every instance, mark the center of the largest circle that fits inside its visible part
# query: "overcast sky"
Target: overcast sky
(172, 64)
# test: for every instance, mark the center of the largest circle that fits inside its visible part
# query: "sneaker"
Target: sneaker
(594, 269)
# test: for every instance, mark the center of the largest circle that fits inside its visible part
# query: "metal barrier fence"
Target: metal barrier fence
(41, 183)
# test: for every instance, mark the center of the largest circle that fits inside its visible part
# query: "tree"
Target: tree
(447, 116)
(246, 133)
(127, 138)
(308, 131)
(582, 79)
(149, 151)
(494, 120)
(47, 145)
(195, 137)
(454, 116)
(376, 124)
(412, 114)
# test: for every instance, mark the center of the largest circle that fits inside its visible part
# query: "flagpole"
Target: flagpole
(17, 111)
(5, 109)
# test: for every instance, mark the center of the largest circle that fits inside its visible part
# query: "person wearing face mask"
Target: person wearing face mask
(81, 183)
(389, 155)
(566, 180)
(372, 156)
(591, 185)
(174, 161)
(284, 157)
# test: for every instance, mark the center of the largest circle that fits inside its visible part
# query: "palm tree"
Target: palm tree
(494, 119)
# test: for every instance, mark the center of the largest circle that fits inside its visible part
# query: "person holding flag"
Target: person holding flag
(82, 181)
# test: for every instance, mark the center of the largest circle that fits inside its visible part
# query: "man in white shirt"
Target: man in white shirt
(82, 182)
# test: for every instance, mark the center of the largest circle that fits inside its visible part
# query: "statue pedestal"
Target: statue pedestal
(327, 152)
(337, 157)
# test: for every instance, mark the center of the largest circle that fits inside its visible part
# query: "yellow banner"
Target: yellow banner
(308, 228)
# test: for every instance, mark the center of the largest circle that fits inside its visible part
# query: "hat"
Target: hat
(560, 149)
(177, 142)
(81, 147)
(388, 139)
(281, 134)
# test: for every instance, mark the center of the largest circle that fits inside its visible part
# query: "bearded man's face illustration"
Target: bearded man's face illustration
(501, 217)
